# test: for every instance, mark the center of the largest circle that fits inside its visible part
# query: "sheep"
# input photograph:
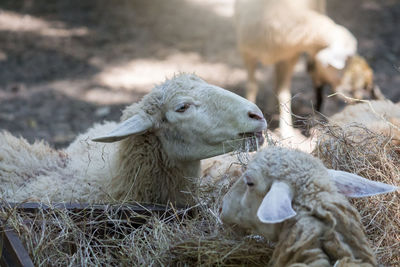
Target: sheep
(277, 32)
(290, 198)
(364, 127)
(379, 116)
(162, 140)
(355, 81)
(370, 129)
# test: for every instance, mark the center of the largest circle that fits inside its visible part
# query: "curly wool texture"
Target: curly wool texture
(142, 162)
(162, 139)
(369, 130)
(379, 116)
(22, 161)
(37, 172)
(142, 181)
(133, 169)
(136, 168)
(326, 228)
(364, 139)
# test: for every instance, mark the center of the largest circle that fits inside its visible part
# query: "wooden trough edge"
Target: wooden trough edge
(12, 251)
(138, 208)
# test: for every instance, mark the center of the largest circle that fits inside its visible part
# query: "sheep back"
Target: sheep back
(379, 116)
(327, 228)
(264, 32)
(21, 162)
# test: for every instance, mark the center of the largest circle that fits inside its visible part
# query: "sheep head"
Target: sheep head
(192, 119)
(339, 66)
(354, 80)
(277, 181)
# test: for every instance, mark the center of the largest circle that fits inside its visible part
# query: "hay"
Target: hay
(59, 237)
(356, 149)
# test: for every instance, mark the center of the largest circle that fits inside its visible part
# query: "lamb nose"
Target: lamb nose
(255, 116)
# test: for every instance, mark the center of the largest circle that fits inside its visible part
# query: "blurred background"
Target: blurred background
(67, 64)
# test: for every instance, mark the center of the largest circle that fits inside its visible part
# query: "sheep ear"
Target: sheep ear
(135, 125)
(277, 204)
(352, 185)
(335, 55)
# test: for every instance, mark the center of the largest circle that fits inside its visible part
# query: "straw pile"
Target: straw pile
(57, 237)
(357, 149)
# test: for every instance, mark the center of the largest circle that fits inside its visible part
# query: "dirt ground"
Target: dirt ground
(67, 64)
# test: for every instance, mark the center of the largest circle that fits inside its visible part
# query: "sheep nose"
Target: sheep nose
(255, 116)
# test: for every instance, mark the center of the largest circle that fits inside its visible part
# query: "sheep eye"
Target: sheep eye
(182, 108)
(250, 183)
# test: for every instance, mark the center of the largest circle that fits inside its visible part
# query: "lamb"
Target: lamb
(289, 197)
(278, 32)
(162, 140)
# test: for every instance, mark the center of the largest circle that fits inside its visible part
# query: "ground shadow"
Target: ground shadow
(51, 116)
(76, 40)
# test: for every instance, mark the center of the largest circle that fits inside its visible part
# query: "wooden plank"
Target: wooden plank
(123, 211)
(35, 206)
(13, 252)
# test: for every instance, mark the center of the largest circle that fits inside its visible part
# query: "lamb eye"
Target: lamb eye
(249, 181)
(182, 108)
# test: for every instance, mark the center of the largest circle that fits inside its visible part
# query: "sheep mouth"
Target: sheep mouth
(252, 140)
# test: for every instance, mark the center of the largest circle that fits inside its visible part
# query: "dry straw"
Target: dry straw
(356, 149)
(59, 237)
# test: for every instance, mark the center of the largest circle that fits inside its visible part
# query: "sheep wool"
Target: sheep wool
(161, 140)
(289, 197)
(328, 228)
(278, 32)
(379, 116)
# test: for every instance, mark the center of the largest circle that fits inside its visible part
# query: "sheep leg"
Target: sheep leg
(284, 71)
(251, 86)
(318, 94)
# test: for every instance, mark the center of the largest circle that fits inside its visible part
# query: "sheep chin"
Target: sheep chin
(251, 141)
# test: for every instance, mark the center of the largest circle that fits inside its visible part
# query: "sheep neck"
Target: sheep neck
(146, 174)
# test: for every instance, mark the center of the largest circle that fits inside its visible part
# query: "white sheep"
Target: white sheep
(278, 32)
(378, 116)
(289, 197)
(163, 138)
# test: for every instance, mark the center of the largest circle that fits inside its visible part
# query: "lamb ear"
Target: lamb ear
(277, 204)
(352, 185)
(137, 124)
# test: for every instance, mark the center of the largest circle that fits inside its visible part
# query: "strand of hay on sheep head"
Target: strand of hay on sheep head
(355, 148)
